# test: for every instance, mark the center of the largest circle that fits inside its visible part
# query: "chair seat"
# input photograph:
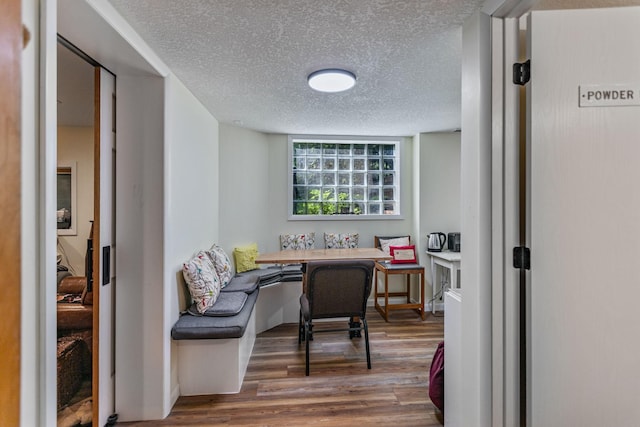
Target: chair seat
(399, 267)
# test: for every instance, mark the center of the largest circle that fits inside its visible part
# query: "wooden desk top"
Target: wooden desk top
(306, 255)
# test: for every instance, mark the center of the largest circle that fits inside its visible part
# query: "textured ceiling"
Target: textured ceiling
(247, 60)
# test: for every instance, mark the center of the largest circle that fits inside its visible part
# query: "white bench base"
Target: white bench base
(215, 366)
(277, 304)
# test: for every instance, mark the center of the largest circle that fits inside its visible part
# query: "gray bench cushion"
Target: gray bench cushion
(190, 327)
(292, 273)
(227, 304)
(265, 276)
(241, 283)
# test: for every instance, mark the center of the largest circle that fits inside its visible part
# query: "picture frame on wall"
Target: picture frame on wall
(66, 207)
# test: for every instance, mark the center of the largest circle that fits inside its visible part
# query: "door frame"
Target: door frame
(508, 381)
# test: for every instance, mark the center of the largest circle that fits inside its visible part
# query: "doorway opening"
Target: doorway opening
(84, 197)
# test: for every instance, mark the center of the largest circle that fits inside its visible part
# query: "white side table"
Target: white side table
(448, 260)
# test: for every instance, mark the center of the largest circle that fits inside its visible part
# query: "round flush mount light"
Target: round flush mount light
(331, 80)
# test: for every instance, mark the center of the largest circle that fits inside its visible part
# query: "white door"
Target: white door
(103, 389)
(584, 360)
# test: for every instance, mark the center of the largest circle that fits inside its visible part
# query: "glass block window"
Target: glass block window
(332, 177)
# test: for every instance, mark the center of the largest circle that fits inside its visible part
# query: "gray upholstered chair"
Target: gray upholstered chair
(336, 289)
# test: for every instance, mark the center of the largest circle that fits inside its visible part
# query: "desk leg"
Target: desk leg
(422, 295)
(433, 286)
(454, 277)
(386, 297)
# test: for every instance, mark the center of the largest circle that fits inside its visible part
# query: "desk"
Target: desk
(448, 260)
(302, 256)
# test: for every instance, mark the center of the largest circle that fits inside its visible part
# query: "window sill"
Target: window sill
(344, 217)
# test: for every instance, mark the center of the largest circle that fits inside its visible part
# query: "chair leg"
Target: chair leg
(307, 339)
(354, 324)
(366, 340)
(300, 328)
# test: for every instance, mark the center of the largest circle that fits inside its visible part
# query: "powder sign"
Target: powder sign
(609, 95)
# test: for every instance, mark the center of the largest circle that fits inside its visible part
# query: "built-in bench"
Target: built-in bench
(214, 351)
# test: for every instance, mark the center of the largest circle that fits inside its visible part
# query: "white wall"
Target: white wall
(254, 193)
(75, 146)
(191, 171)
(439, 183)
(245, 189)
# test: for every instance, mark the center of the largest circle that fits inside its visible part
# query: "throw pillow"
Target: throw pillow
(403, 254)
(222, 264)
(202, 280)
(297, 241)
(398, 241)
(245, 257)
(341, 240)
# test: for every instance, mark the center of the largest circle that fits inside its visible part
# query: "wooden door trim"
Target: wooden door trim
(11, 42)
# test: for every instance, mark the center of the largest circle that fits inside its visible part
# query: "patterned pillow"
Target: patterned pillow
(398, 241)
(297, 241)
(222, 264)
(341, 240)
(245, 257)
(202, 280)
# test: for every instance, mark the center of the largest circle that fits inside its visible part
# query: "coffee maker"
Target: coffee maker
(453, 242)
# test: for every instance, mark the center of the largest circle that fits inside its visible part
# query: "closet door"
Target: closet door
(103, 268)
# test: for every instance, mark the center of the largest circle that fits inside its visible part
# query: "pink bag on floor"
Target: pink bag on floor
(436, 378)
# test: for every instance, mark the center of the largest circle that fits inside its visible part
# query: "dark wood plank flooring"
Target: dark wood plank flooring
(340, 390)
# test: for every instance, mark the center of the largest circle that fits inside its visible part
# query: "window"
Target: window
(344, 177)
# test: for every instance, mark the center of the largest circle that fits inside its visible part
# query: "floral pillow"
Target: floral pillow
(245, 257)
(297, 241)
(222, 264)
(341, 240)
(202, 280)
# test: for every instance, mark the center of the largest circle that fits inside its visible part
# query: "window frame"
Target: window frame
(397, 141)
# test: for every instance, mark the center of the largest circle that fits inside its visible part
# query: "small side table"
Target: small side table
(448, 260)
(388, 269)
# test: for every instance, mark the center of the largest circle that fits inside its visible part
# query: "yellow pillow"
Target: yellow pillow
(245, 257)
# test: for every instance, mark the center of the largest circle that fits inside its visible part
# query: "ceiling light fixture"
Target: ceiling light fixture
(331, 80)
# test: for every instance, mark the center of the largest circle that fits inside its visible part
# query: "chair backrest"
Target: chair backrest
(338, 288)
(297, 241)
(383, 242)
(341, 240)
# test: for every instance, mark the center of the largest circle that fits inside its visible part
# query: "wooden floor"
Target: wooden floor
(340, 390)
